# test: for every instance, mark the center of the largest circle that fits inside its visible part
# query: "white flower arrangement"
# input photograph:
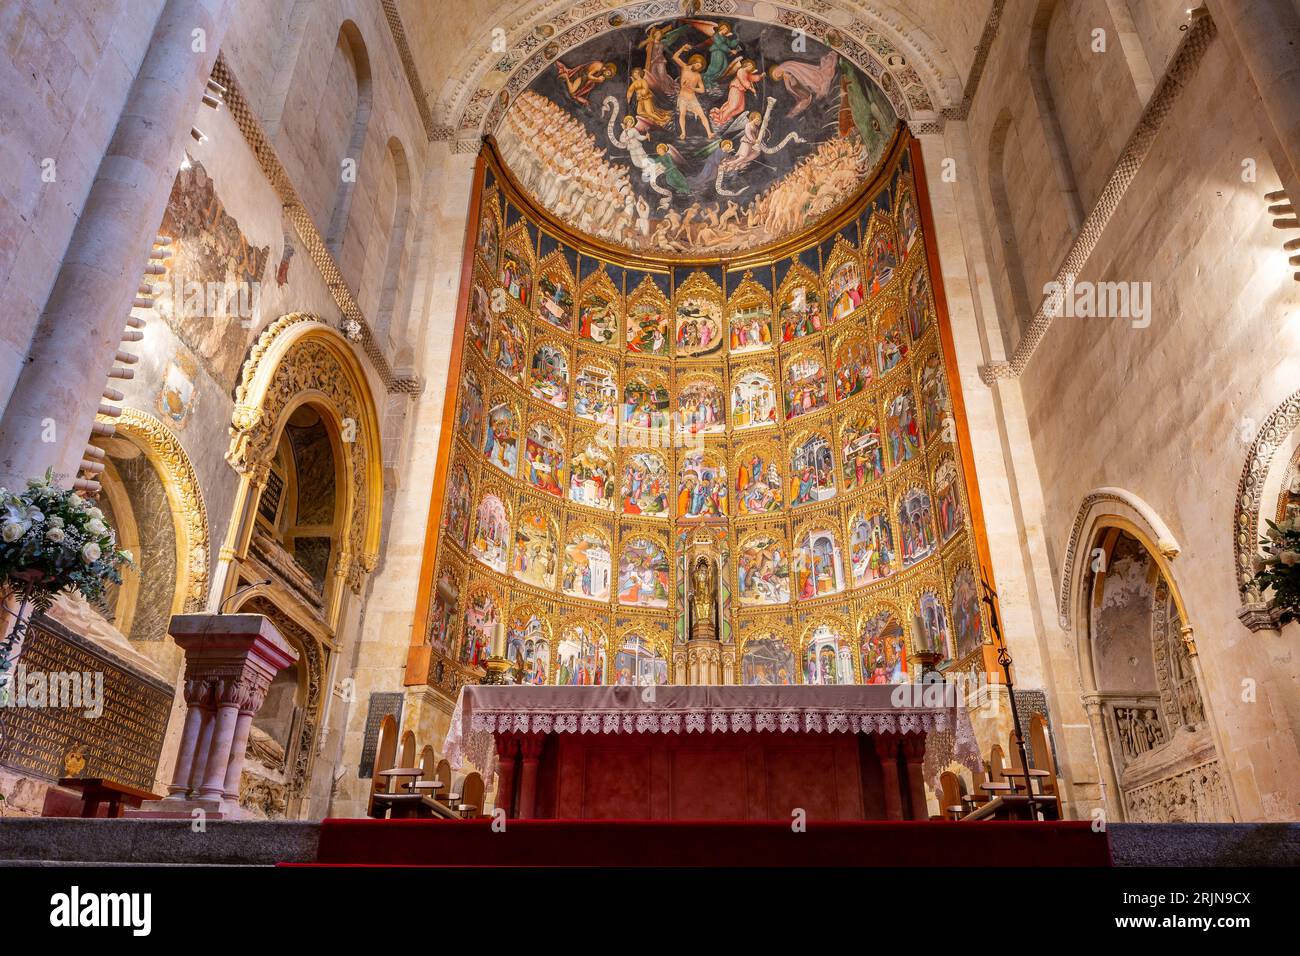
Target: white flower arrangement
(52, 540)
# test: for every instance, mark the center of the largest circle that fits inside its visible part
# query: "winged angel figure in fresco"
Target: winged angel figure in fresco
(751, 146)
(662, 165)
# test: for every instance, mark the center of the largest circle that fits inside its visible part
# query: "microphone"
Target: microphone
(247, 587)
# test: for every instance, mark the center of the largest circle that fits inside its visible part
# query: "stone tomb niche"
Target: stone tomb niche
(135, 503)
(1161, 748)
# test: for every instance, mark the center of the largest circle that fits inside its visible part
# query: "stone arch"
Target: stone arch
(916, 71)
(1012, 259)
(1156, 743)
(395, 254)
(299, 360)
(1111, 504)
(1262, 482)
(1047, 113)
(165, 454)
(354, 45)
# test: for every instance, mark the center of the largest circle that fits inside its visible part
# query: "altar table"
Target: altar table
(711, 753)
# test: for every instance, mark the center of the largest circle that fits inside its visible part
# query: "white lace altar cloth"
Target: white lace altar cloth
(484, 711)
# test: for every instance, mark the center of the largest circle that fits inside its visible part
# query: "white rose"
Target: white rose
(55, 534)
(12, 531)
(1289, 557)
(96, 527)
(90, 552)
(95, 514)
(56, 521)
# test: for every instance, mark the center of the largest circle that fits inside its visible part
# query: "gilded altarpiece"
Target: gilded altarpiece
(787, 416)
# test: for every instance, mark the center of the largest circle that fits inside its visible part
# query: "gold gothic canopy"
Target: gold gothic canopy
(784, 428)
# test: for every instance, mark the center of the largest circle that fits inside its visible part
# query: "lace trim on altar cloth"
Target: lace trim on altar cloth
(945, 742)
(702, 721)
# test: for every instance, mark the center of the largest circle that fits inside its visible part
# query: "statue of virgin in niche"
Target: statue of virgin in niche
(703, 600)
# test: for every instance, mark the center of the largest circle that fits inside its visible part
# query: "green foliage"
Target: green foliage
(1280, 568)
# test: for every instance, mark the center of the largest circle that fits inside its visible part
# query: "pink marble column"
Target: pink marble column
(199, 761)
(195, 692)
(230, 661)
(232, 694)
(239, 748)
(81, 326)
(887, 751)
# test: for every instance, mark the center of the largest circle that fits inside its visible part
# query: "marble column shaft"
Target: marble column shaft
(81, 326)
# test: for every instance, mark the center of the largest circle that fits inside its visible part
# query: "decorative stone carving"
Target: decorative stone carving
(1198, 795)
(1166, 543)
(310, 364)
(181, 482)
(1284, 419)
(1138, 729)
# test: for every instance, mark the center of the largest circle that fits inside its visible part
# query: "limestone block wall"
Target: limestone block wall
(1112, 405)
(305, 70)
(1159, 411)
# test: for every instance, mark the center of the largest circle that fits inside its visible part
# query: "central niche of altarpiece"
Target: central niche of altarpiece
(790, 419)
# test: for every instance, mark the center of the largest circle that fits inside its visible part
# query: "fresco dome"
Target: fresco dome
(710, 136)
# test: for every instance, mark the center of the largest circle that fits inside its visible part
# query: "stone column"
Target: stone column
(196, 691)
(887, 751)
(81, 327)
(914, 756)
(1268, 42)
(239, 747)
(230, 661)
(199, 758)
(1114, 797)
(531, 748)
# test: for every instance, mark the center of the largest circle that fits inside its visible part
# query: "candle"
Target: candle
(499, 640)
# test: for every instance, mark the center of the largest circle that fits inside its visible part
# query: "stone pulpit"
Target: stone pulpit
(230, 661)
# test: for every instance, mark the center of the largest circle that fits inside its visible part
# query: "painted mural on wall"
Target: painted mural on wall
(212, 291)
(696, 136)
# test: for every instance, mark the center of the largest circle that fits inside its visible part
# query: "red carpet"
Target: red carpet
(707, 843)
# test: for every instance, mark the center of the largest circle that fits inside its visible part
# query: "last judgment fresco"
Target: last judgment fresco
(699, 136)
(783, 429)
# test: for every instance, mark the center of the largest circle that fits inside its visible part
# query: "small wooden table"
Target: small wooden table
(97, 790)
(1017, 775)
(393, 774)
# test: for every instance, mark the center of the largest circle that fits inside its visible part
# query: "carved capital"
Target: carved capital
(197, 692)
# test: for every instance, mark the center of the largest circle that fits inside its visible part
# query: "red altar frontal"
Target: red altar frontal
(711, 753)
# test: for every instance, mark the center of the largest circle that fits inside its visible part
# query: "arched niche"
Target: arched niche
(1143, 690)
(151, 495)
(303, 374)
(1268, 475)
